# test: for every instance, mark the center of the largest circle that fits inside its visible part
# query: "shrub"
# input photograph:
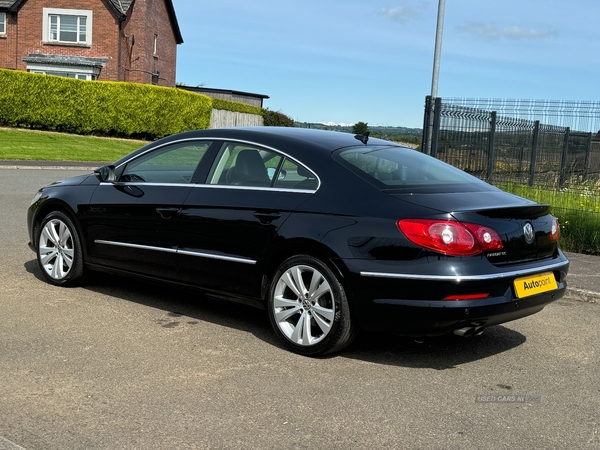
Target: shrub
(276, 119)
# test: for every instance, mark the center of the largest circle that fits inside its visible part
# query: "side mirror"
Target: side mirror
(271, 173)
(106, 174)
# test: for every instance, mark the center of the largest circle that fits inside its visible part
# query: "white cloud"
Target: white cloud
(493, 32)
(333, 124)
(516, 32)
(482, 30)
(405, 13)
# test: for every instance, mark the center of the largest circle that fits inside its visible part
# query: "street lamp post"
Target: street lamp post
(437, 55)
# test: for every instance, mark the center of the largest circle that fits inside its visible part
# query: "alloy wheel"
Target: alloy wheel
(56, 249)
(304, 305)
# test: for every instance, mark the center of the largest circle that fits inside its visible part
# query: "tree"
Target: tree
(360, 127)
(276, 119)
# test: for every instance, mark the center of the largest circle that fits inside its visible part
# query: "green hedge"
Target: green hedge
(229, 105)
(101, 108)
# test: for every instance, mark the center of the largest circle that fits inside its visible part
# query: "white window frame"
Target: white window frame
(48, 12)
(2, 23)
(81, 72)
(57, 73)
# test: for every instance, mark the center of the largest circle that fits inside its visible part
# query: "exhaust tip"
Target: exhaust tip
(468, 331)
(465, 331)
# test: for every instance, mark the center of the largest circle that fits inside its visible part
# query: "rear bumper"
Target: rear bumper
(431, 318)
(410, 302)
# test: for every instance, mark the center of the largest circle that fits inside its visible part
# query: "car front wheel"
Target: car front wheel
(308, 307)
(59, 251)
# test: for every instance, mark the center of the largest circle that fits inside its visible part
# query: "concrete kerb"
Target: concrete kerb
(583, 280)
(62, 165)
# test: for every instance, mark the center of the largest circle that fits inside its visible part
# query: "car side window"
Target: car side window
(244, 165)
(293, 176)
(175, 163)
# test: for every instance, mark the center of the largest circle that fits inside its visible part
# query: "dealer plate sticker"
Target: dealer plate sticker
(527, 286)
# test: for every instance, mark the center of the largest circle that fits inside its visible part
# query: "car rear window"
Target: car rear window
(401, 167)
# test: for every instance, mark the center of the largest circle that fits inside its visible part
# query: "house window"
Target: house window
(67, 26)
(154, 51)
(60, 73)
(80, 67)
(2, 23)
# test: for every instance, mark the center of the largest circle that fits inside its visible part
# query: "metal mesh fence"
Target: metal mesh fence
(545, 150)
(542, 143)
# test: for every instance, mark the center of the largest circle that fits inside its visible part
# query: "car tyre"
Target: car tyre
(59, 251)
(308, 307)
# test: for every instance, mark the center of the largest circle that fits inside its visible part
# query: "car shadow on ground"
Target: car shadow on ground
(439, 353)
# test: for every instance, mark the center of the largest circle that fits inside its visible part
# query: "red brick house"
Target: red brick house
(109, 40)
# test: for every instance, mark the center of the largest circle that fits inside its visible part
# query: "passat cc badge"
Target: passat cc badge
(528, 231)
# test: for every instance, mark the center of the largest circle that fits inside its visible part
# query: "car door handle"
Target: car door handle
(167, 213)
(265, 217)
(131, 190)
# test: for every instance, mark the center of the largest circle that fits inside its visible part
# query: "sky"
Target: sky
(345, 61)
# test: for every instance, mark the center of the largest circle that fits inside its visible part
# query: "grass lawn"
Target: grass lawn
(17, 144)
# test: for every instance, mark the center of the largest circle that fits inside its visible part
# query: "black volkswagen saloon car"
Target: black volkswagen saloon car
(329, 232)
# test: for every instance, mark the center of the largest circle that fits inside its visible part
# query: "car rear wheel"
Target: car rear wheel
(59, 251)
(308, 307)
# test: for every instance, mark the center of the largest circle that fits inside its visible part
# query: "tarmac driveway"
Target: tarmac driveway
(121, 364)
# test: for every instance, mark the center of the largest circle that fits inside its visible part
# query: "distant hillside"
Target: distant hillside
(373, 129)
(412, 136)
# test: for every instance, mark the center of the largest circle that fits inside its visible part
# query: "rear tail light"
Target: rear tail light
(554, 230)
(450, 237)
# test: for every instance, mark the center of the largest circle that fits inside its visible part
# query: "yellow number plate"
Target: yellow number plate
(526, 286)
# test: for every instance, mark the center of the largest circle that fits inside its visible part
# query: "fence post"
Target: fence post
(491, 148)
(536, 134)
(588, 150)
(437, 116)
(563, 159)
(426, 115)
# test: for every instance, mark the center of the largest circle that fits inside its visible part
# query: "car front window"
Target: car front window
(175, 163)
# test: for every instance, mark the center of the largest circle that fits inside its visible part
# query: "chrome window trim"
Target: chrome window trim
(209, 186)
(255, 188)
(143, 183)
(459, 278)
(182, 252)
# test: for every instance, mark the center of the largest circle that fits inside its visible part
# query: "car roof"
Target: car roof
(330, 140)
(309, 142)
